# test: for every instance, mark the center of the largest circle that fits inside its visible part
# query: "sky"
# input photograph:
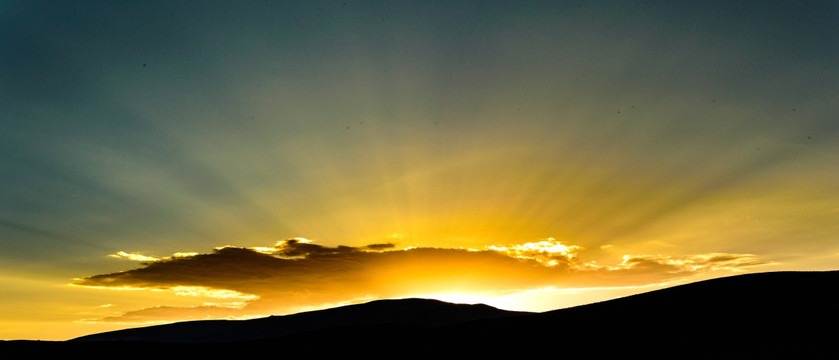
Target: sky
(176, 160)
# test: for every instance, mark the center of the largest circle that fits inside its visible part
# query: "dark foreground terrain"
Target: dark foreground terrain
(766, 315)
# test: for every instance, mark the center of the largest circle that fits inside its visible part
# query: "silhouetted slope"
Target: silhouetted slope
(410, 312)
(778, 314)
(791, 313)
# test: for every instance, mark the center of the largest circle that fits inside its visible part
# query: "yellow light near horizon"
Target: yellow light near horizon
(460, 298)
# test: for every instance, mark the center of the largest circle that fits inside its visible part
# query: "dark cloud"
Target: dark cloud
(296, 247)
(384, 246)
(298, 272)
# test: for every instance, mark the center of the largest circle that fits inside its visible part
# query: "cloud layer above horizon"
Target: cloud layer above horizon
(684, 135)
(297, 273)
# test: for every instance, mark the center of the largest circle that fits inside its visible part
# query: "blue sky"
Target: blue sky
(637, 128)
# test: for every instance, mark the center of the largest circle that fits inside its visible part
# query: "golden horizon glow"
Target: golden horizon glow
(254, 281)
(279, 156)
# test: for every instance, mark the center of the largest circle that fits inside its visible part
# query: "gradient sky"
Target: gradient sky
(172, 160)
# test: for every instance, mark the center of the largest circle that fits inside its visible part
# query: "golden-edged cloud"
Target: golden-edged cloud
(132, 256)
(298, 273)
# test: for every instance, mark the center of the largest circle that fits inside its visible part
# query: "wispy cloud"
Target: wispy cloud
(133, 257)
(693, 263)
(299, 272)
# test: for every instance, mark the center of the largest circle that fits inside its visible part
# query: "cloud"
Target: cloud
(693, 263)
(549, 252)
(162, 314)
(133, 257)
(297, 272)
(306, 248)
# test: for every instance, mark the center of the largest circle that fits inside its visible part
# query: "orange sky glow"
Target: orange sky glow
(166, 161)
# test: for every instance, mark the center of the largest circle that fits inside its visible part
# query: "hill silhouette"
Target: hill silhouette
(405, 312)
(788, 314)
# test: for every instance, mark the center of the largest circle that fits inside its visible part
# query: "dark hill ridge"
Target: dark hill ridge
(774, 314)
(411, 312)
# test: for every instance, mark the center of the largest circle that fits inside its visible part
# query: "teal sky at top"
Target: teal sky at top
(163, 126)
